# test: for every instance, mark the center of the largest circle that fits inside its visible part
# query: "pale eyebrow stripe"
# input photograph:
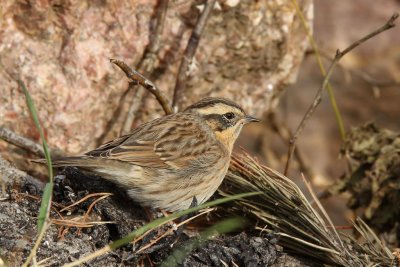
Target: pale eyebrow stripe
(214, 101)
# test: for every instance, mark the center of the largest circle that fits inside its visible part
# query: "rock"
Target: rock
(249, 52)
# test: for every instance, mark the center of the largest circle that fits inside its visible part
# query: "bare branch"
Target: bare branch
(318, 97)
(190, 51)
(146, 64)
(20, 141)
(371, 81)
(138, 78)
(283, 131)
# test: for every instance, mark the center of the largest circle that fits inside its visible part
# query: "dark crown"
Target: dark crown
(212, 101)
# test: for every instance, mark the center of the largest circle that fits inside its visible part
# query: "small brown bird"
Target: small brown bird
(168, 162)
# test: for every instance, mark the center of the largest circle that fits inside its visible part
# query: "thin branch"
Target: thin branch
(138, 78)
(146, 65)
(84, 199)
(359, 73)
(169, 231)
(373, 82)
(318, 97)
(283, 131)
(147, 62)
(20, 141)
(329, 88)
(78, 224)
(190, 51)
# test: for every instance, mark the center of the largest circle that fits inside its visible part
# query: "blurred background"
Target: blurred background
(365, 83)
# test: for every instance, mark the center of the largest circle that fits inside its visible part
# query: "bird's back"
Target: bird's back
(163, 163)
(167, 162)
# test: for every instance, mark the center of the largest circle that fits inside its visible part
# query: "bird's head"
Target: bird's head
(223, 116)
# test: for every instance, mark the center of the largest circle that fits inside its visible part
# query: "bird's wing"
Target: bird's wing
(172, 141)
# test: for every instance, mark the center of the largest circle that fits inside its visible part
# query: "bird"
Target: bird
(173, 162)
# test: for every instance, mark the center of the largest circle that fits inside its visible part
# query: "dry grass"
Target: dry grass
(284, 210)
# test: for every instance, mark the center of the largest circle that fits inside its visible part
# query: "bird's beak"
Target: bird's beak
(249, 119)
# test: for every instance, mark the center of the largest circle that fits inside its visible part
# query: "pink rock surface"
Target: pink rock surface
(249, 52)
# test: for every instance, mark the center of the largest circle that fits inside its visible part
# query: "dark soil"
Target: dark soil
(18, 218)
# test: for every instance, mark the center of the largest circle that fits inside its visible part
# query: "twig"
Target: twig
(84, 199)
(190, 51)
(318, 97)
(168, 232)
(147, 62)
(74, 223)
(156, 223)
(146, 65)
(20, 141)
(54, 205)
(284, 132)
(329, 88)
(373, 82)
(17, 140)
(136, 77)
(45, 262)
(92, 205)
(367, 78)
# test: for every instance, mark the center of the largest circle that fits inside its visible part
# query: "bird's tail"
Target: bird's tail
(77, 161)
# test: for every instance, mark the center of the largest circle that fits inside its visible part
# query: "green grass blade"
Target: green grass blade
(152, 225)
(223, 227)
(45, 205)
(48, 190)
(329, 88)
(125, 240)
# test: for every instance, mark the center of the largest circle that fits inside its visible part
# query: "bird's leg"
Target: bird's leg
(167, 241)
(155, 234)
(193, 204)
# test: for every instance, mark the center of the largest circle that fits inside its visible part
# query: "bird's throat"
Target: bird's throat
(227, 138)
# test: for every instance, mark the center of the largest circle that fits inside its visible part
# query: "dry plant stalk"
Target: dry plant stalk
(147, 63)
(190, 50)
(284, 210)
(318, 97)
(138, 78)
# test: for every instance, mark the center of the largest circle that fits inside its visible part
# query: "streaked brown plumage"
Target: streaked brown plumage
(166, 162)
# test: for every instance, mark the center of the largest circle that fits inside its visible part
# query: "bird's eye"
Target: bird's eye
(229, 115)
